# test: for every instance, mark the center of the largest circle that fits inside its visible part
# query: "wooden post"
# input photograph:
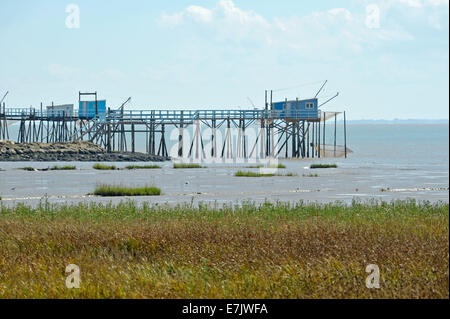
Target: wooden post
(345, 136)
(287, 139)
(132, 138)
(108, 146)
(324, 134)
(335, 120)
(318, 137)
(265, 103)
(308, 142)
(213, 139)
(180, 137)
(313, 139)
(303, 138)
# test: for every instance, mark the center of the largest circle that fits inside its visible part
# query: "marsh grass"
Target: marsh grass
(323, 166)
(252, 174)
(117, 190)
(187, 166)
(28, 169)
(63, 168)
(255, 174)
(310, 175)
(103, 167)
(142, 166)
(268, 166)
(273, 250)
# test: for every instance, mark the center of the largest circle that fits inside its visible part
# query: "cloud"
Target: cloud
(335, 29)
(225, 12)
(420, 3)
(62, 71)
(199, 14)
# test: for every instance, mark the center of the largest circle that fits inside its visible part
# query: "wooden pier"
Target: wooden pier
(289, 134)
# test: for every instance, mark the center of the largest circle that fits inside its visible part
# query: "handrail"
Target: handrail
(185, 115)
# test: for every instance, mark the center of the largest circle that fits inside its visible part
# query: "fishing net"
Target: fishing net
(332, 151)
(328, 115)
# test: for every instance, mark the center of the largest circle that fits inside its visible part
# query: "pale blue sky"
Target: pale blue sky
(216, 53)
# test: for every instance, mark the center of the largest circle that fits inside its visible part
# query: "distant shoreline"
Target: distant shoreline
(397, 122)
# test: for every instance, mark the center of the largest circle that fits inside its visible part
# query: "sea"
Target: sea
(387, 162)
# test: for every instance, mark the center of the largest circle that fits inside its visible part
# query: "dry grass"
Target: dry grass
(270, 251)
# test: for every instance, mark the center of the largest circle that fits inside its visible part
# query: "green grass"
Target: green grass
(273, 250)
(142, 166)
(288, 174)
(117, 190)
(28, 168)
(62, 168)
(269, 166)
(104, 167)
(323, 166)
(253, 174)
(310, 175)
(187, 166)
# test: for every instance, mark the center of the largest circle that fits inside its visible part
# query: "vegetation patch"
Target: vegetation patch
(310, 175)
(267, 166)
(104, 167)
(142, 166)
(254, 174)
(63, 168)
(117, 190)
(187, 166)
(272, 250)
(323, 166)
(28, 168)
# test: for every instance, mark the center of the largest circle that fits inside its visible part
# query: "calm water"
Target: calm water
(409, 161)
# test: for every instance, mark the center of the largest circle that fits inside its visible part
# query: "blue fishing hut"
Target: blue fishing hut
(297, 109)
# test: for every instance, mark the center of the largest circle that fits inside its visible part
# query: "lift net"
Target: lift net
(332, 151)
(325, 116)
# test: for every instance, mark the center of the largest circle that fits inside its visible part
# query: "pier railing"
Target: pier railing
(164, 115)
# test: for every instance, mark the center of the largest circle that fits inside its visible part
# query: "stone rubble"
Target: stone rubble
(68, 152)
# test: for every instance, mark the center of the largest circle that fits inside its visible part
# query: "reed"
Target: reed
(63, 168)
(104, 167)
(117, 190)
(323, 166)
(187, 166)
(273, 250)
(142, 166)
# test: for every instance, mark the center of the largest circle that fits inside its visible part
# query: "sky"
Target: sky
(387, 59)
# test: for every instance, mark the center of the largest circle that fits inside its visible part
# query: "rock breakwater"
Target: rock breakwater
(68, 152)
